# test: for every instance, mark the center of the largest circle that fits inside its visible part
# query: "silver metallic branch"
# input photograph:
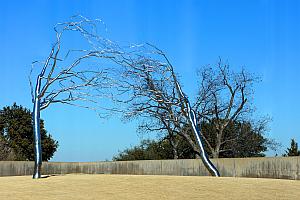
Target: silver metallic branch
(75, 80)
(144, 81)
(155, 92)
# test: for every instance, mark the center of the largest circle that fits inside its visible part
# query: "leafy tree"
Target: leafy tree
(240, 139)
(155, 150)
(243, 139)
(16, 134)
(147, 150)
(293, 150)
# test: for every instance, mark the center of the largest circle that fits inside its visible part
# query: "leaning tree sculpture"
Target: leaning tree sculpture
(154, 91)
(190, 114)
(145, 76)
(72, 79)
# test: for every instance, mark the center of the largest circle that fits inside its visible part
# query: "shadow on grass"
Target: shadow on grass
(48, 176)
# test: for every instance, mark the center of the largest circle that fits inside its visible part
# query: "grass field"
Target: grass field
(145, 187)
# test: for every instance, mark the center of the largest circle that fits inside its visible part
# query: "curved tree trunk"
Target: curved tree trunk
(204, 157)
(37, 133)
(190, 114)
(37, 140)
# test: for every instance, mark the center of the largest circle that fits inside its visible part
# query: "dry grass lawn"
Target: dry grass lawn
(132, 187)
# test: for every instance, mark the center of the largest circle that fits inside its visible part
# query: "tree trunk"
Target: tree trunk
(37, 132)
(215, 154)
(37, 140)
(208, 164)
(204, 157)
(197, 156)
(216, 151)
(175, 154)
(174, 145)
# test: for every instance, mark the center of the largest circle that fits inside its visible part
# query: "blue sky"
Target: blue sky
(260, 35)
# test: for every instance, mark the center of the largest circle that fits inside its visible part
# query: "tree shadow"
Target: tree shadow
(48, 176)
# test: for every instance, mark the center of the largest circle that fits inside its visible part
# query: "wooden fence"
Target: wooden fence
(277, 167)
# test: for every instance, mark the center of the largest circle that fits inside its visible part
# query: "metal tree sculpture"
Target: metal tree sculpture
(190, 114)
(152, 85)
(67, 80)
(155, 92)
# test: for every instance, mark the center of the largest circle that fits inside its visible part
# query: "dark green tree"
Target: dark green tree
(293, 150)
(156, 150)
(243, 139)
(146, 150)
(240, 139)
(16, 132)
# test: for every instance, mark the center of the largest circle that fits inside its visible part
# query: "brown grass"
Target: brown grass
(145, 187)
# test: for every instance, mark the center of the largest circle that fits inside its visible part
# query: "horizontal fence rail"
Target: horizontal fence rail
(276, 167)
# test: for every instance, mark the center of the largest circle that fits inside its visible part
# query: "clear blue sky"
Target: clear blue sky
(261, 35)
